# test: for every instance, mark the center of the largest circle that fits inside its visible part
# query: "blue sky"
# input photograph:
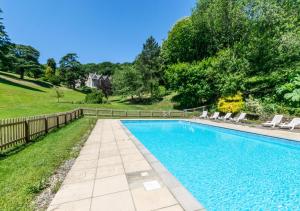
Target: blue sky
(97, 30)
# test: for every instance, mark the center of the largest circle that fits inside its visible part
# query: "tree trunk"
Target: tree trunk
(22, 73)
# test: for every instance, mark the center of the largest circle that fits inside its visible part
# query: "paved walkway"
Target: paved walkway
(112, 174)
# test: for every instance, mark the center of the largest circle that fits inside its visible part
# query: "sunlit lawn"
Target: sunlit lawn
(26, 98)
(24, 173)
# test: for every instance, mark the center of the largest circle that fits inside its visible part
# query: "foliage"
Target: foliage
(291, 91)
(24, 60)
(86, 89)
(193, 83)
(54, 79)
(4, 45)
(104, 68)
(253, 105)
(233, 104)
(49, 72)
(59, 94)
(95, 97)
(128, 82)
(52, 64)
(71, 70)
(253, 48)
(148, 64)
(217, 24)
(179, 47)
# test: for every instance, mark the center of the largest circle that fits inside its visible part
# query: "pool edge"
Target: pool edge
(183, 196)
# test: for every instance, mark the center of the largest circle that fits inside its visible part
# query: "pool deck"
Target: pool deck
(115, 172)
(274, 132)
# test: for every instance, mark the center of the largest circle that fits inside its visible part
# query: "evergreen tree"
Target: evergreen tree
(4, 45)
(148, 64)
(70, 69)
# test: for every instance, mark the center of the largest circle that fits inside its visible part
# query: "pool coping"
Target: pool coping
(286, 135)
(181, 194)
(274, 133)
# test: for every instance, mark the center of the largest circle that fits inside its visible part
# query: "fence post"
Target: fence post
(97, 114)
(139, 113)
(112, 113)
(151, 113)
(46, 124)
(27, 131)
(65, 118)
(57, 121)
(126, 114)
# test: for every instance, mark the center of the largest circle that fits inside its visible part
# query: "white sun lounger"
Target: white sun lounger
(226, 117)
(241, 117)
(291, 125)
(275, 121)
(204, 115)
(215, 115)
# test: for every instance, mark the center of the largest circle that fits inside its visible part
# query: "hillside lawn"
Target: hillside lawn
(31, 97)
(23, 173)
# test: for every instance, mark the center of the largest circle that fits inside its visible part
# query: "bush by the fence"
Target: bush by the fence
(95, 97)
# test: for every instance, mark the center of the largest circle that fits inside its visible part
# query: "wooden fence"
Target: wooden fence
(102, 113)
(22, 130)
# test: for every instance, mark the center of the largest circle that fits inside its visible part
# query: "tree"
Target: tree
(25, 60)
(218, 24)
(4, 45)
(128, 82)
(52, 64)
(59, 94)
(179, 46)
(71, 70)
(50, 70)
(148, 63)
(194, 83)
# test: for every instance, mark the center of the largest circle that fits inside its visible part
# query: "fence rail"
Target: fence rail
(22, 130)
(133, 113)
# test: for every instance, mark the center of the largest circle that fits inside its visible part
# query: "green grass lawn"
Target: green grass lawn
(22, 174)
(30, 97)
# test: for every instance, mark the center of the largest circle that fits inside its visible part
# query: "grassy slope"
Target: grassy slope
(22, 174)
(29, 97)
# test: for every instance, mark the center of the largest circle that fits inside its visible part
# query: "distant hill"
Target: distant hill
(30, 97)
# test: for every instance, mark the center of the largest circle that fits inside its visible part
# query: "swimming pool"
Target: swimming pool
(225, 169)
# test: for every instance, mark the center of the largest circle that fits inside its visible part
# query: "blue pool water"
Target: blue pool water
(225, 169)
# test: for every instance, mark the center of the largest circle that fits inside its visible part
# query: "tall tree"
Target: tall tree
(4, 45)
(25, 60)
(52, 64)
(148, 63)
(71, 70)
(50, 68)
(179, 46)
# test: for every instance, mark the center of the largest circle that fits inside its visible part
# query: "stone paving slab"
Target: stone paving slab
(110, 174)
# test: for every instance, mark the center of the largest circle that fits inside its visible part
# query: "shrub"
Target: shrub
(233, 104)
(86, 89)
(54, 79)
(95, 97)
(159, 92)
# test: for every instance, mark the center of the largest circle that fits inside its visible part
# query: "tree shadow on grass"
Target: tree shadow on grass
(11, 83)
(39, 83)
